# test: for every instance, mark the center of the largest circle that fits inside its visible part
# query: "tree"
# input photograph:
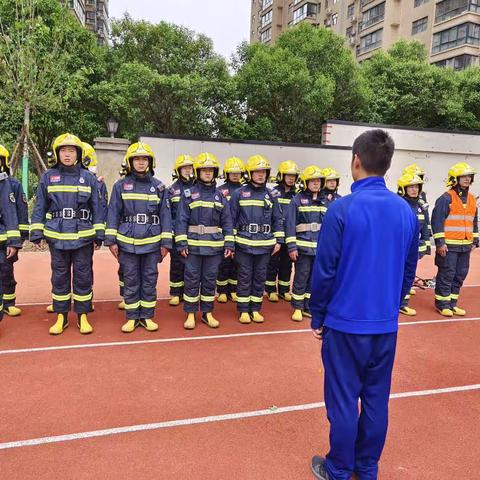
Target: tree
(287, 91)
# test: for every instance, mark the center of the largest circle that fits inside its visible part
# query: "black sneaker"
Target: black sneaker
(319, 468)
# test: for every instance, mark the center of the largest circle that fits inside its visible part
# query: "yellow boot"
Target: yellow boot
(234, 297)
(12, 311)
(245, 318)
(60, 325)
(257, 318)
(121, 305)
(273, 297)
(83, 325)
(297, 316)
(149, 325)
(222, 298)
(208, 319)
(287, 297)
(50, 309)
(410, 312)
(189, 322)
(174, 301)
(413, 291)
(446, 312)
(129, 326)
(459, 312)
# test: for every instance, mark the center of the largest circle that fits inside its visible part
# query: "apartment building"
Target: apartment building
(92, 14)
(450, 29)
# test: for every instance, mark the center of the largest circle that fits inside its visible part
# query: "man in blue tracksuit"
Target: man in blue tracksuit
(203, 236)
(139, 234)
(356, 296)
(7, 272)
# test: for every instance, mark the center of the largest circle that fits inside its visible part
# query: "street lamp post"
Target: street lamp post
(112, 127)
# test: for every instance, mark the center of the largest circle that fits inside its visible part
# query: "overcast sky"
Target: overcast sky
(226, 22)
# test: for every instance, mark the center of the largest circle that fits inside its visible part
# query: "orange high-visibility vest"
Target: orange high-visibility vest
(459, 223)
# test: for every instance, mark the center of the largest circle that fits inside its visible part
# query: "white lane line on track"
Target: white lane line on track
(211, 419)
(205, 337)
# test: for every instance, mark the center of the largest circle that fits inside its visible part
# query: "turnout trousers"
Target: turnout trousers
(140, 274)
(72, 277)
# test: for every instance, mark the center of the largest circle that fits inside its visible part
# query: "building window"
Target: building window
(370, 41)
(351, 10)
(372, 16)
(266, 3)
(307, 10)
(266, 36)
(464, 34)
(417, 3)
(334, 18)
(419, 25)
(451, 8)
(459, 62)
(266, 19)
(348, 32)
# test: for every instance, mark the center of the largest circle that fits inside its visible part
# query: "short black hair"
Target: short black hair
(375, 149)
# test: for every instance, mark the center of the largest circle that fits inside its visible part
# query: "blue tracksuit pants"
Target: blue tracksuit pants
(357, 367)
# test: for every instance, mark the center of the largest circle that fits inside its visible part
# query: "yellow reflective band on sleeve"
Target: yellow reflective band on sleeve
(298, 297)
(476, 235)
(121, 284)
(279, 234)
(145, 304)
(69, 236)
(176, 284)
(243, 299)
(235, 231)
(138, 241)
(132, 306)
(37, 226)
(141, 197)
(13, 233)
(3, 237)
(83, 298)
(308, 295)
(284, 201)
(312, 208)
(229, 238)
(218, 204)
(9, 296)
(251, 203)
(181, 238)
(68, 189)
(175, 199)
(270, 283)
(188, 299)
(420, 216)
(283, 283)
(222, 283)
(62, 298)
(255, 243)
(111, 231)
(166, 235)
(256, 299)
(458, 242)
(207, 298)
(201, 203)
(291, 239)
(442, 299)
(24, 227)
(232, 281)
(422, 248)
(205, 243)
(306, 244)
(439, 235)
(99, 226)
